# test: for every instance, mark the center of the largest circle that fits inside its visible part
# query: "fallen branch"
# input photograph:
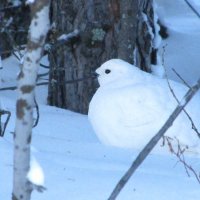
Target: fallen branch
(152, 143)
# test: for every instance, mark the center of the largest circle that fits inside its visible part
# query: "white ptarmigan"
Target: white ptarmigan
(130, 107)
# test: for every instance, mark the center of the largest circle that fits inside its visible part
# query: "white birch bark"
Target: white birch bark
(22, 188)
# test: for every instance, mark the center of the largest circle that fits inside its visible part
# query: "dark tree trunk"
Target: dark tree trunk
(145, 53)
(107, 29)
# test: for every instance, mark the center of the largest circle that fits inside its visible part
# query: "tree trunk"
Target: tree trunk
(22, 187)
(145, 52)
(107, 29)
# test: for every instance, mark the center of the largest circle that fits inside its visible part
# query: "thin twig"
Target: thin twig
(16, 56)
(44, 66)
(192, 8)
(152, 143)
(13, 44)
(42, 75)
(8, 113)
(180, 155)
(47, 82)
(175, 97)
(37, 112)
(179, 76)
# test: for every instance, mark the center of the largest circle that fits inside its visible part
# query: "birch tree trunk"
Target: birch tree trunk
(22, 188)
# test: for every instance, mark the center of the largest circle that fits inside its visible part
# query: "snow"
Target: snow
(69, 35)
(75, 164)
(35, 174)
(158, 70)
(144, 18)
(30, 1)
(157, 38)
(182, 47)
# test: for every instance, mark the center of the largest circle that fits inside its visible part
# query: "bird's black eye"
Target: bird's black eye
(107, 71)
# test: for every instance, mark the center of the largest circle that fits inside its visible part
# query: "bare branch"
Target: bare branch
(192, 8)
(177, 74)
(8, 113)
(42, 75)
(152, 143)
(15, 47)
(180, 155)
(39, 188)
(52, 82)
(44, 66)
(174, 95)
(37, 112)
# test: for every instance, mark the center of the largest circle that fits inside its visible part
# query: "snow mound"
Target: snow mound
(35, 174)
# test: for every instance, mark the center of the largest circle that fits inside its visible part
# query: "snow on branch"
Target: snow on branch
(29, 1)
(68, 36)
(152, 143)
(157, 38)
(63, 40)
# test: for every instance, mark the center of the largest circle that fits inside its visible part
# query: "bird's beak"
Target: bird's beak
(95, 75)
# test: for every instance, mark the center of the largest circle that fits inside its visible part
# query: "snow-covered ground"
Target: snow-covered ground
(182, 47)
(75, 164)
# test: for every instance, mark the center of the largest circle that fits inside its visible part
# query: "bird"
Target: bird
(130, 106)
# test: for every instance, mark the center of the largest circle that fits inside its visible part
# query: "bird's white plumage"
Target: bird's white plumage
(130, 107)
